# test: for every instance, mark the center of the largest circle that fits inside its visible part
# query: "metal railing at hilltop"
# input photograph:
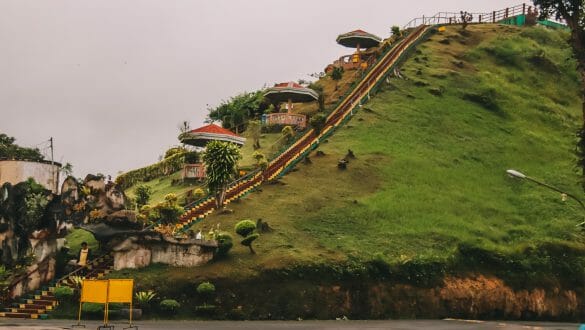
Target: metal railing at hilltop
(455, 17)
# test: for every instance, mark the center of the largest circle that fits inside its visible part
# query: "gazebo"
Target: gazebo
(199, 137)
(289, 92)
(358, 39)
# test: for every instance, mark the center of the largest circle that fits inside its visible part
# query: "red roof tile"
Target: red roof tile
(290, 84)
(213, 129)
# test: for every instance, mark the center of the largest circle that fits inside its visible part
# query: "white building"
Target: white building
(45, 173)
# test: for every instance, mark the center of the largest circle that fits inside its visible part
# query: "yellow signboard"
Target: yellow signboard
(120, 291)
(94, 291)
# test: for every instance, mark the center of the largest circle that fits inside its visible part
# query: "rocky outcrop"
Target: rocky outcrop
(141, 250)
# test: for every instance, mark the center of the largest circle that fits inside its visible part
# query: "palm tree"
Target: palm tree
(220, 160)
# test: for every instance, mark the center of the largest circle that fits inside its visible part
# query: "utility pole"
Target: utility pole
(53, 166)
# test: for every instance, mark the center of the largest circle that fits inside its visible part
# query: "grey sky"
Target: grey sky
(111, 80)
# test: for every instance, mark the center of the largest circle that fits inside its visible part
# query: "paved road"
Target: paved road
(298, 325)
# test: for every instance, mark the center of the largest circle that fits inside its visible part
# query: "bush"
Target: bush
(143, 298)
(174, 151)
(245, 227)
(249, 239)
(318, 121)
(206, 289)
(170, 306)
(143, 194)
(92, 309)
(192, 157)
(224, 244)
(63, 293)
(395, 30)
(163, 168)
(205, 310)
(337, 73)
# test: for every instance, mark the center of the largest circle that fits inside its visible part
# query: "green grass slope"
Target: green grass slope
(428, 186)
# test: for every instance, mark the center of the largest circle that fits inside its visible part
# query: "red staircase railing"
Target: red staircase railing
(291, 154)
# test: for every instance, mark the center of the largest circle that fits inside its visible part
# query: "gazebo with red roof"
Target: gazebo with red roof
(199, 137)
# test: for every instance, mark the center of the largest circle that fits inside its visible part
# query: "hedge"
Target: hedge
(154, 171)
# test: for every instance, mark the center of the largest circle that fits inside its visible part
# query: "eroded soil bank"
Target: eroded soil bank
(471, 297)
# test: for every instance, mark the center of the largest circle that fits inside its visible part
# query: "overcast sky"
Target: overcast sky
(111, 80)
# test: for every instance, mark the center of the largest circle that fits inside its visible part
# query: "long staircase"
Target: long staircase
(311, 139)
(419, 28)
(39, 304)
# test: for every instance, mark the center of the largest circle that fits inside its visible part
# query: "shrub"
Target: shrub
(245, 227)
(77, 280)
(143, 194)
(337, 73)
(92, 309)
(160, 169)
(249, 239)
(174, 151)
(395, 30)
(288, 133)
(63, 293)
(224, 244)
(192, 157)
(318, 121)
(143, 298)
(206, 289)
(170, 306)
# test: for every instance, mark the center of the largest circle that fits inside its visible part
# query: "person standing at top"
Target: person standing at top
(84, 255)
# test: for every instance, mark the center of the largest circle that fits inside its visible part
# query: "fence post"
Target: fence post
(507, 9)
(494, 16)
(524, 9)
(480, 18)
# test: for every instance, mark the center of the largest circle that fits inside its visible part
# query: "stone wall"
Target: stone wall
(36, 276)
(15, 171)
(141, 251)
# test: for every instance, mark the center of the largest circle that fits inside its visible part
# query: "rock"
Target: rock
(141, 250)
(123, 218)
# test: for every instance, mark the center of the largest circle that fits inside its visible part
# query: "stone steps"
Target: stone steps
(37, 305)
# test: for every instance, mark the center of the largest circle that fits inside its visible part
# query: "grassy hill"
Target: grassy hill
(427, 192)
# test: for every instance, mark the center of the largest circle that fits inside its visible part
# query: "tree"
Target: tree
(246, 229)
(288, 133)
(67, 169)
(255, 129)
(318, 121)
(221, 159)
(235, 112)
(143, 194)
(571, 11)
(395, 30)
(466, 18)
(9, 150)
(169, 210)
(336, 75)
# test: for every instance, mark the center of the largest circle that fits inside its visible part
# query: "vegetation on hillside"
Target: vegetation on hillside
(427, 195)
(428, 186)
